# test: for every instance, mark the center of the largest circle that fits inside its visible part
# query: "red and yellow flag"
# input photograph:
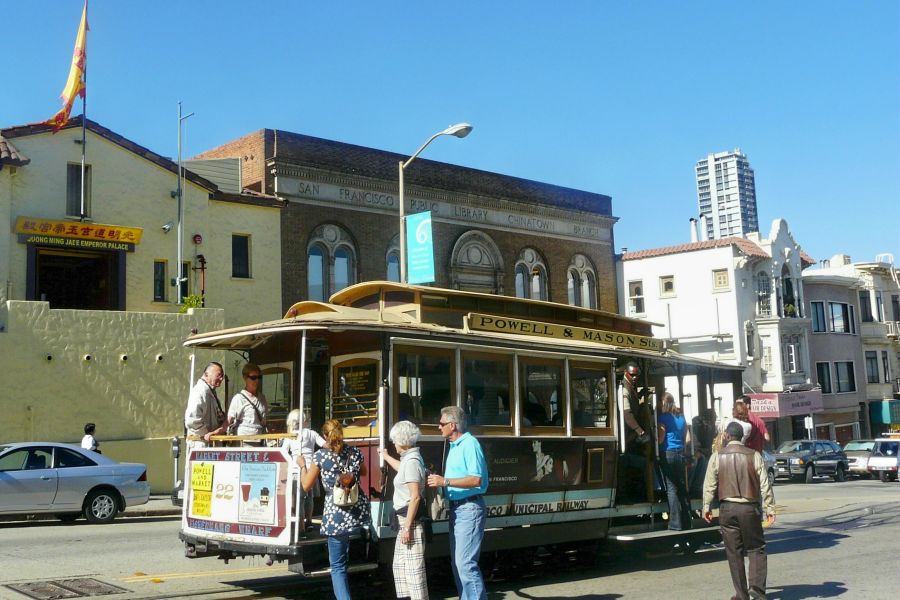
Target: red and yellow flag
(75, 85)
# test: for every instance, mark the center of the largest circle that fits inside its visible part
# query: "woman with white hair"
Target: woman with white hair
(409, 506)
(304, 444)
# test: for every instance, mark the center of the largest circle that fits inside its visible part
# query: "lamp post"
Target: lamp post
(459, 130)
(180, 276)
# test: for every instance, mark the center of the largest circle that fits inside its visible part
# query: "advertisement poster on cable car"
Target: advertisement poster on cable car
(240, 492)
(533, 464)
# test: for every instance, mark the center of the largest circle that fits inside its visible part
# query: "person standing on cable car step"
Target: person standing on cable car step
(248, 409)
(674, 441)
(466, 479)
(204, 416)
(332, 463)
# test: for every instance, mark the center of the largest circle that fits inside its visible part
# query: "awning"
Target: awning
(786, 404)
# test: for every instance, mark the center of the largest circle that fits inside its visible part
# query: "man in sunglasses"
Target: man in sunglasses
(204, 416)
(249, 410)
(466, 480)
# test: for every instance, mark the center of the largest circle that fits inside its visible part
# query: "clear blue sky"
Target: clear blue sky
(620, 98)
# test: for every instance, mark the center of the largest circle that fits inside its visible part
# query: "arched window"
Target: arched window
(315, 273)
(573, 287)
(582, 282)
(538, 282)
(343, 269)
(589, 290)
(531, 275)
(763, 295)
(393, 266)
(476, 264)
(521, 281)
(331, 262)
(392, 259)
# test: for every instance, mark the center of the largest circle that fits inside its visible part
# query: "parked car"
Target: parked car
(68, 481)
(858, 452)
(804, 459)
(883, 463)
(771, 465)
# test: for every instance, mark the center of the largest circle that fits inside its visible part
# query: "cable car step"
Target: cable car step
(297, 567)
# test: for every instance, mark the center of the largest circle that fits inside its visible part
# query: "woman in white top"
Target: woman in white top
(304, 445)
(248, 409)
(409, 488)
(739, 415)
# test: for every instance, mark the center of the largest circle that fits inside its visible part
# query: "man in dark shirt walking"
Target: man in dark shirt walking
(737, 476)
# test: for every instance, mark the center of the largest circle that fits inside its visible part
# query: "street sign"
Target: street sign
(808, 422)
(419, 248)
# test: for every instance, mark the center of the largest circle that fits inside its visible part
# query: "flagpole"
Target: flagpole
(84, 117)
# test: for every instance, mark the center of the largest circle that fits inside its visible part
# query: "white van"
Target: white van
(884, 461)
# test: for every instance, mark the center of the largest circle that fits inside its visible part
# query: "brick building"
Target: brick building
(492, 233)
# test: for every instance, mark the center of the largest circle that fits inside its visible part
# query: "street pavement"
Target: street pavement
(831, 540)
(160, 505)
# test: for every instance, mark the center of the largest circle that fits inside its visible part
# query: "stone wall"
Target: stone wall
(125, 371)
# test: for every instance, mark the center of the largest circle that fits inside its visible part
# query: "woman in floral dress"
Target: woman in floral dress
(337, 523)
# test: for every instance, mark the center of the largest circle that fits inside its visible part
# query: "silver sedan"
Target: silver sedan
(68, 481)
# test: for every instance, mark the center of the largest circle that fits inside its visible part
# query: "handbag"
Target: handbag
(437, 503)
(345, 493)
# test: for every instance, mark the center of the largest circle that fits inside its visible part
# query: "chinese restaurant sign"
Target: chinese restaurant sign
(238, 492)
(562, 332)
(77, 235)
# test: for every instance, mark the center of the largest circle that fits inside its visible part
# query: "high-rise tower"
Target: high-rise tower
(726, 195)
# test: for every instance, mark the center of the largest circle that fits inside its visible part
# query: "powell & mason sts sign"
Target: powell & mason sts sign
(481, 322)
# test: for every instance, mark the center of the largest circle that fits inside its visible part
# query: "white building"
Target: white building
(726, 195)
(737, 300)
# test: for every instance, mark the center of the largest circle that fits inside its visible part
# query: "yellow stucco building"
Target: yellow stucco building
(90, 321)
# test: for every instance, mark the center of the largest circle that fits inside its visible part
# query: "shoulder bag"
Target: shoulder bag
(345, 492)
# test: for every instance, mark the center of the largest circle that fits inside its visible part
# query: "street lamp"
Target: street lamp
(459, 130)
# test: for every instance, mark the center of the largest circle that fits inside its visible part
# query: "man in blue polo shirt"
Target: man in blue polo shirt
(466, 480)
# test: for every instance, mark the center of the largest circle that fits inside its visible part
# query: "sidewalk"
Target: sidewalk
(159, 505)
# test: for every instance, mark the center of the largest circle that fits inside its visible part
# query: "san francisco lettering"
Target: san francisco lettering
(365, 198)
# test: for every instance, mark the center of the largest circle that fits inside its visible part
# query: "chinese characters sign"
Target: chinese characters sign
(74, 234)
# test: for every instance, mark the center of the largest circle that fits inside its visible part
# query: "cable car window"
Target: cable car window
(540, 385)
(425, 377)
(486, 389)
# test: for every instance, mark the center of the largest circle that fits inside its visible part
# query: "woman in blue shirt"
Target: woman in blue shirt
(673, 424)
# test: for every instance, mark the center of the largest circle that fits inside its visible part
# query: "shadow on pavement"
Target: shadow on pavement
(801, 539)
(828, 589)
(585, 597)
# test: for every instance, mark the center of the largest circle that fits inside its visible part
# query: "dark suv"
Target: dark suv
(804, 459)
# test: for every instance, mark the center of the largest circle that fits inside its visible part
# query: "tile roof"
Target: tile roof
(743, 245)
(165, 163)
(9, 155)
(369, 162)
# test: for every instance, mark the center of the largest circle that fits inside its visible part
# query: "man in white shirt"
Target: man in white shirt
(204, 416)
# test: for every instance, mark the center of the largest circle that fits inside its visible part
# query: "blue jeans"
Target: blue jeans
(679, 505)
(466, 532)
(338, 556)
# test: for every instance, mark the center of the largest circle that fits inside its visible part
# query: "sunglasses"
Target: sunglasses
(254, 377)
(440, 424)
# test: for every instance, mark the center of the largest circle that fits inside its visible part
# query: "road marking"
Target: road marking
(166, 576)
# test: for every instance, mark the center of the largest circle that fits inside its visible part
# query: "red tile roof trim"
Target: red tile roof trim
(743, 245)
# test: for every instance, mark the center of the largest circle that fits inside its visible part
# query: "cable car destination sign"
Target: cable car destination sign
(479, 322)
